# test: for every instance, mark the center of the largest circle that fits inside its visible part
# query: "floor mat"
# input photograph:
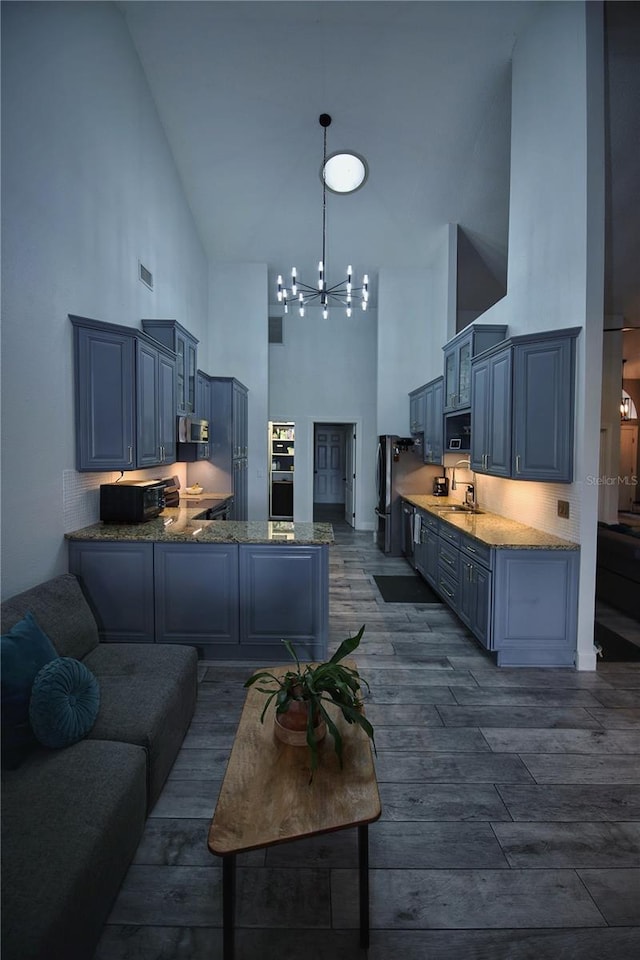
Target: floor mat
(405, 590)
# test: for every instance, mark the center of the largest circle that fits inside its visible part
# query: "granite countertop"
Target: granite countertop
(179, 525)
(490, 528)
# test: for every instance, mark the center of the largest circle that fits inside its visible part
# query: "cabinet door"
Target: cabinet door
(417, 411)
(167, 408)
(118, 581)
(239, 420)
(481, 619)
(284, 593)
(104, 409)
(433, 430)
(463, 375)
(480, 393)
(239, 475)
(148, 443)
(499, 416)
(543, 410)
(450, 378)
(196, 598)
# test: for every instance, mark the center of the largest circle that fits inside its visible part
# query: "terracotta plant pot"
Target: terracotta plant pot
(291, 726)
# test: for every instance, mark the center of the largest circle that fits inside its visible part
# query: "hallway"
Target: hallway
(511, 809)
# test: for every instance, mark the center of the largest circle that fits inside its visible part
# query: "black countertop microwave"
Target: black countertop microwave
(131, 501)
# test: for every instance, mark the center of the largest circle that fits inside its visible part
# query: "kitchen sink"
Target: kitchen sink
(458, 508)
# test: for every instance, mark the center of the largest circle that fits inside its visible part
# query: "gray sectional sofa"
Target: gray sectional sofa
(72, 818)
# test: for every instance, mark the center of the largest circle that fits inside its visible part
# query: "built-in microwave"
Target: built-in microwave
(131, 501)
(192, 431)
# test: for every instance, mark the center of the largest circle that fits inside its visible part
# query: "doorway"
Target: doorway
(334, 472)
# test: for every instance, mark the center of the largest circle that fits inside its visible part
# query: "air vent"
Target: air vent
(275, 329)
(145, 275)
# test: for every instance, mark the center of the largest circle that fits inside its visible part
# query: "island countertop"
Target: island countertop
(490, 528)
(180, 525)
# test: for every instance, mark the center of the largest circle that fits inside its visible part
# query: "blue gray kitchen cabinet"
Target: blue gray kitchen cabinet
(124, 390)
(522, 412)
(543, 407)
(155, 406)
(282, 597)
(197, 596)
(236, 601)
(104, 361)
(433, 421)
(535, 607)
(416, 411)
(491, 414)
(185, 346)
(475, 588)
(228, 437)
(118, 581)
(427, 549)
(458, 353)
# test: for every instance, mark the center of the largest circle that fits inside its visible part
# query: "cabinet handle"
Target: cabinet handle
(449, 563)
(130, 449)
(471, 549)
(517, 463)
(448, 592)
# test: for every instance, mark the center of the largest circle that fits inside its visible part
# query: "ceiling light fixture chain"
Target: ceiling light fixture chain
(342, 292)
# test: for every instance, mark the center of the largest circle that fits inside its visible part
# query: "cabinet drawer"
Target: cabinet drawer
(449, 533)
(448, 589)
(449, 561)
(428, 520)
(476, 550)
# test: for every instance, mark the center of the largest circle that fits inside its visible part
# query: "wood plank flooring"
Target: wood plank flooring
(510, 822)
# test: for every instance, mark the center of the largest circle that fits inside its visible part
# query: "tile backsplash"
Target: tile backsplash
(81, 491)
(535, 504)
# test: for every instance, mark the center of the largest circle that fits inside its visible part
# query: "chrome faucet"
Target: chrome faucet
(470, 495)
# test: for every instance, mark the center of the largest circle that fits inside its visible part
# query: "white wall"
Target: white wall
(325, 372)
(88, 187)
(556, 247)
(239, 347)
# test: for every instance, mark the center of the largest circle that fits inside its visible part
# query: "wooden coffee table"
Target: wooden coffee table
(266, 798)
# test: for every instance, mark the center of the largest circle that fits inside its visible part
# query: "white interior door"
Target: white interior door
(329, 476)
(350, 475)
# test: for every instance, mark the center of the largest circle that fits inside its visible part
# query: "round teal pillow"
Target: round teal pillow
(65, 699)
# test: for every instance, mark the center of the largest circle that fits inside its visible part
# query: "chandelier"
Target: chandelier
(351, 172)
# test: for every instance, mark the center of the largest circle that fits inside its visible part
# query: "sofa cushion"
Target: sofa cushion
(64, 704)
(62, 611)
(176, 660)
(25, 650)
(153, 713)
(71, 822)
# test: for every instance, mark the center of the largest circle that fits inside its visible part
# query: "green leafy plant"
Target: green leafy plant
(318, 684)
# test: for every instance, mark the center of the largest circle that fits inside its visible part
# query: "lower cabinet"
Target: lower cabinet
(117, 579)
(520, 603)
(427, 549)
(231, 601)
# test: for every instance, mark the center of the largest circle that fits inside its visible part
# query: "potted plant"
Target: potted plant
(301, 694)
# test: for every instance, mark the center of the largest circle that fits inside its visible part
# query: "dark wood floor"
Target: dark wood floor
(511, 810)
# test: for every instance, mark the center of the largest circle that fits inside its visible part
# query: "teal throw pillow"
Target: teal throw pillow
(25, 650)
(65, 700)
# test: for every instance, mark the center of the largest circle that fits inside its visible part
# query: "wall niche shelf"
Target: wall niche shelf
(281, 469)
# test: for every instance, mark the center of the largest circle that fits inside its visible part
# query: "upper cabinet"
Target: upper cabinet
(433, 421)
(416, 411)
(228, 431)
(458, 354)
(174, 336)
(124, 398)
(522, 411)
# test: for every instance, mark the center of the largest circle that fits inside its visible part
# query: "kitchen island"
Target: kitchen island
(513, 586)
(233, 589)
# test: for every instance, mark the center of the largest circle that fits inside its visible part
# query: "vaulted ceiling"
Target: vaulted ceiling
(421, 89)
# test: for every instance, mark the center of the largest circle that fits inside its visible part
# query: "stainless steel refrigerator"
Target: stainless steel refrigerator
(398, 471)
